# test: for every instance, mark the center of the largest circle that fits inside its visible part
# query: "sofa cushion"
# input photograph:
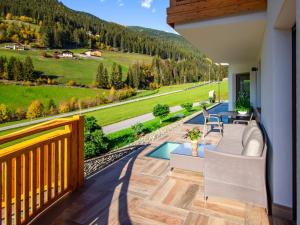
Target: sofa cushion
(255, 144)
(230, 146)
(248, 130)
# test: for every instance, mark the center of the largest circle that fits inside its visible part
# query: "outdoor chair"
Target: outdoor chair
(243, 121)
(212, 120)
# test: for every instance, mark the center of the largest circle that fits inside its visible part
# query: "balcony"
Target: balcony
(186, 11)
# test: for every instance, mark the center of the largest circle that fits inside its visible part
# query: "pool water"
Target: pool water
(164, 150)
(223, 107)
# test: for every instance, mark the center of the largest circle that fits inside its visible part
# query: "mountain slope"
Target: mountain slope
(62, 27)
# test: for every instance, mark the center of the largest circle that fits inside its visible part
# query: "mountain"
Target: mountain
(62, 27)
(166, 37)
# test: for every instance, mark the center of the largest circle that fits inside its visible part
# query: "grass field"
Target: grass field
(20, 96)
(123, 112)
(16, 96)
(83, 71)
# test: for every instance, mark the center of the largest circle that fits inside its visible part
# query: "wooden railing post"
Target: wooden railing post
(80, 150)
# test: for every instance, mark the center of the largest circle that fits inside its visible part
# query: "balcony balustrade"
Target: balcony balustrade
(38, 166)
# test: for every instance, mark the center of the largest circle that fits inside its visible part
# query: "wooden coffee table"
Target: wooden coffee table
(182, 157)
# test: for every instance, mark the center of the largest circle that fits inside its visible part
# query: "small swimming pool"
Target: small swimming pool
(163, 151)
(223, 107)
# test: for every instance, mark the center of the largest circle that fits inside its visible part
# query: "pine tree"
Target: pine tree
(2, 66)
(105, 79)
(28, 69)
(116, 76)
(102, 76)
(18, 70)
(10, 68)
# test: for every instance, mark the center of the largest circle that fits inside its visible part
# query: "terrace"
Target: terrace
(137, 189)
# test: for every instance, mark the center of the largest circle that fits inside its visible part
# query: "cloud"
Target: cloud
(120, 3)
(146, 4)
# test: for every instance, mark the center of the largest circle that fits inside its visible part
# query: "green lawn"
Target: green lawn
(123, 112)
(21, 96)
(16, 96)
(83, 71)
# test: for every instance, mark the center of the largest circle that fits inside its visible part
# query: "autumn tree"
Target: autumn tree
(35, 110)
(4, 113)
(64, 107)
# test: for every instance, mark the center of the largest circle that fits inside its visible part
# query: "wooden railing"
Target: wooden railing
(39, 170)
(184, 11)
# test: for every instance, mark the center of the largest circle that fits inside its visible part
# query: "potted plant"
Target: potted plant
(242, 105)
(194, 135)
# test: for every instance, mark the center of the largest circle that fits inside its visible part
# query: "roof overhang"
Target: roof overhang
(235, 39)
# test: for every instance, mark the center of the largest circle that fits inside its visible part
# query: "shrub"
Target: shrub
(20, 114)
(71, 83)
(112, 94)
(154, 86)
(51, 107)
(96, 142)
(4, 113)
(52, 111)
(45, 55)
(51, 82)
(187, 106)
(51, 104)
(28, 83)
(41, 81)
(100, 99)
(138, 129)
(89, 102)
(73, 104)
(35, 110)
(161, 111)
(64, 107)
(126, 92)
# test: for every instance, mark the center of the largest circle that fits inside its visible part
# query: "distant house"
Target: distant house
(67, 54)
(16, 46)
(92, 52)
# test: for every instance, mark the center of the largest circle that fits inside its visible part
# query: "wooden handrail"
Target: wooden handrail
(37, 172)
(49, 125)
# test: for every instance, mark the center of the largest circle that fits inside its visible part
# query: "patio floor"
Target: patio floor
(142, 190)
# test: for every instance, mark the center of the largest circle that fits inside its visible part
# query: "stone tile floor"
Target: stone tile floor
(143, 190)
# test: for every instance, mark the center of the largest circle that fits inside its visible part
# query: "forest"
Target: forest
(61, 27)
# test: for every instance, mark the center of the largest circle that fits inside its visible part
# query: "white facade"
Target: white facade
(271, 84)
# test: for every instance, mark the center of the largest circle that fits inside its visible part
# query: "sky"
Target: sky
(145, 13)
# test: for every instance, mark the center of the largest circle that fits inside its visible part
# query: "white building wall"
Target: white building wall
(276, 103)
